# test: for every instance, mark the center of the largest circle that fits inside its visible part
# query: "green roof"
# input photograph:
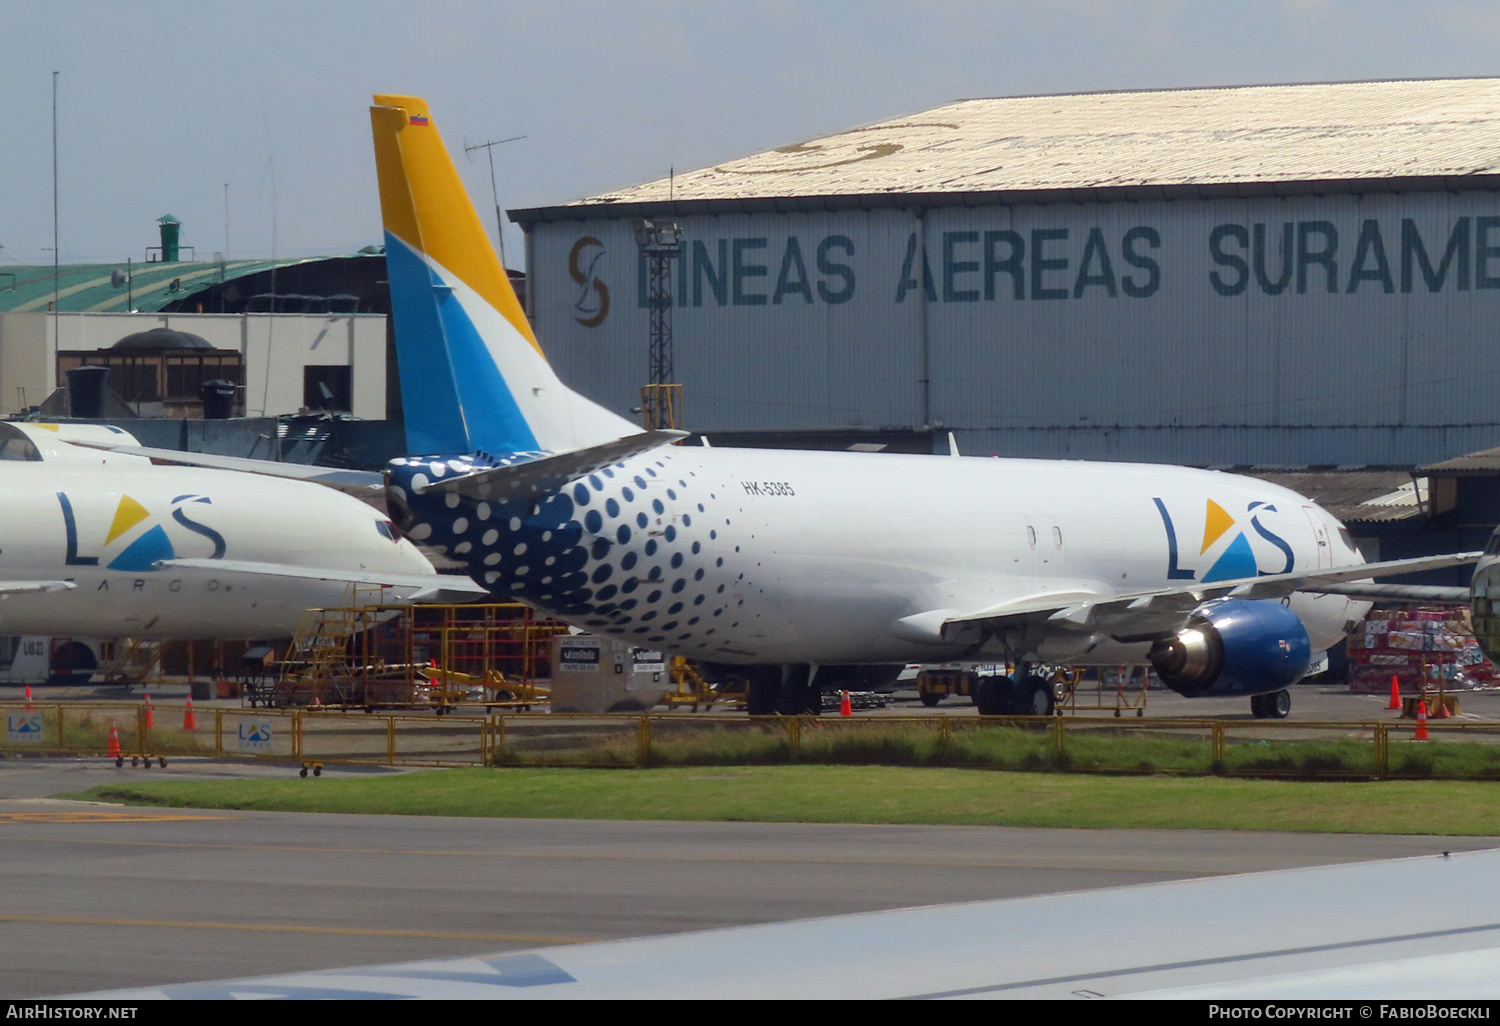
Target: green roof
(87, 287)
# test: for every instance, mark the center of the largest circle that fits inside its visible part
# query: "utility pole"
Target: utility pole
(489, 148)
(56, 267)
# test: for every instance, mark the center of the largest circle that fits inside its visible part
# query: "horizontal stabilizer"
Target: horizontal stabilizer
(528, 480)
(357, 482)
(8, 588)
(446, 587)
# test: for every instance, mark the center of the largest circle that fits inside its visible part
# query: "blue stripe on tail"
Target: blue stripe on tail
(454, 397)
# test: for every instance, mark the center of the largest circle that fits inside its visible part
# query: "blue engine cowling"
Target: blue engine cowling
(1234, 647)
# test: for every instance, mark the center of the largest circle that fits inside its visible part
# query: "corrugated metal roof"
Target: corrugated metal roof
(1354, 496)
(1245, 136)
(87, 287)
(1485, 462)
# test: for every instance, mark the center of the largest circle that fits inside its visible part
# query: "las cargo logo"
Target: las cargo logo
(1226, 544)
(144, 548)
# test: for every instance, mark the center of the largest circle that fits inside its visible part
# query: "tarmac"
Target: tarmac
(102, 896)
(1313, 701)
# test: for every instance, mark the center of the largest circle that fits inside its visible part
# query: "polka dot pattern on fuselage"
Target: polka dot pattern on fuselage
(582, 551)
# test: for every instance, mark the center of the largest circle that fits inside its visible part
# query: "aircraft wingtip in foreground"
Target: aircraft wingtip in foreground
(809, 571)
(1242, 937)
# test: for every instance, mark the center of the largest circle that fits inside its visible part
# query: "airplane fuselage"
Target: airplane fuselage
(759, 556)
(105, 527)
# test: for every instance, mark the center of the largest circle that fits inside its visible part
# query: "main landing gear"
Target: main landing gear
(784, 690)
(1032, 695)
(1274, 706)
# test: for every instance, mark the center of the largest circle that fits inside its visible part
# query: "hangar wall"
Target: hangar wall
(1339, 329)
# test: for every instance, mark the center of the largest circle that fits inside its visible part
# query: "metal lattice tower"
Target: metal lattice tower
(660, 243)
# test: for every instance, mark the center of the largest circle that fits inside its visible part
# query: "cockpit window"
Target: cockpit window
(388, 530)
(14, 445)
(1348, 539)
(1493, 548)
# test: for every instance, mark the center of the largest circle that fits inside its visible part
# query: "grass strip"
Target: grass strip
(978, 743)
(860, 794)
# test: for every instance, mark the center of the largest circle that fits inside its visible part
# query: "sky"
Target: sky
(161, 103)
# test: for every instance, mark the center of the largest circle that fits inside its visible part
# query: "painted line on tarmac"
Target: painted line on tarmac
(341, 931)
(1195, 868)
(102, 817)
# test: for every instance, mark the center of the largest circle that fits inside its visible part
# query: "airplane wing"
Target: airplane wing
(9, 588)
(359, 483)
(432, 588)
(530, 479)
(1160, 612)
(1321, 933)
(1443, 594)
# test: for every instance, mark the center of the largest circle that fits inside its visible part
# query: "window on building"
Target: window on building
(327, 388)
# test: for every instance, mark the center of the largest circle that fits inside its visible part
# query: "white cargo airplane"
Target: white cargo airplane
(105, 544)
(811, 571)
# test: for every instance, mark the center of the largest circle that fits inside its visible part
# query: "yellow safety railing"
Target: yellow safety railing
(1266, 748)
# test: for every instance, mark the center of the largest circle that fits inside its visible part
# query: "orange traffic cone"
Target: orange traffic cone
(1395, 694)
(150, 712)
(114, 741)
(28, 698)
(846, 707)
(1421, 734)
(189, 721)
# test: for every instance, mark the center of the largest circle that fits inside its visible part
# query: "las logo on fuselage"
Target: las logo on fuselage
(1234, 556)
(148, 547)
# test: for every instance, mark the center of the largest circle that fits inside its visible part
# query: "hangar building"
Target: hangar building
(1267, 275)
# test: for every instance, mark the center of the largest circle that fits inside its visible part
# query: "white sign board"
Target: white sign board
(648, 660)
(23, 728)
(255, 736)
(579, 657)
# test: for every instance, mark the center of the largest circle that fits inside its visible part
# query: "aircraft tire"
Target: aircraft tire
(1033, 697)
(1258, 706)
(1278, 704)
(992, 696)
(795, 696)
(814, 701)
(761, 692)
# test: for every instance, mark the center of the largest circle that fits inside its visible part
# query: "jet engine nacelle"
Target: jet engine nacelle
(1234, 647)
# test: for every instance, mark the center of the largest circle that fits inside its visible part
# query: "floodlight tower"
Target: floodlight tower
(660, 243)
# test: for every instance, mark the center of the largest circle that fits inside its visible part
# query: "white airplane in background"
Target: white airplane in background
(103, 544)
(811, 571)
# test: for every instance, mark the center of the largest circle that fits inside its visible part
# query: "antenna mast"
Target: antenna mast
(489, 148)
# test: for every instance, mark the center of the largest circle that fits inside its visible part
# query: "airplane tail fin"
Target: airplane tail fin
(472, 374)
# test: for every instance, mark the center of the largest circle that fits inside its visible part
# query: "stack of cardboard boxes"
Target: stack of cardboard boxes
(1435, 646)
